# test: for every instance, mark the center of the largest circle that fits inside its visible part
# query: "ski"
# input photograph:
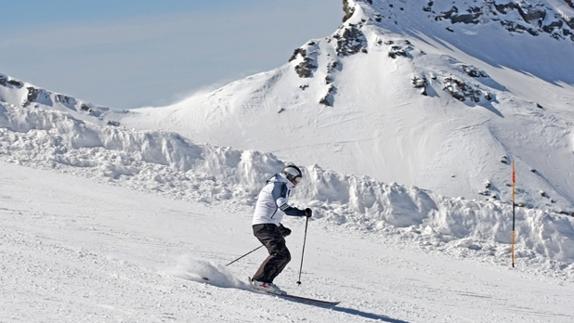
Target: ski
(298, 299)
(307, 300)
(301, 299)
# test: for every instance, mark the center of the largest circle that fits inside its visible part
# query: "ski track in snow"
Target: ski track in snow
(74, 250)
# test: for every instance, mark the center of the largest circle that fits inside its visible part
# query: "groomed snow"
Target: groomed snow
(74, 250)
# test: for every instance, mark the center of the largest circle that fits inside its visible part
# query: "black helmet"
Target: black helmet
(293, 173)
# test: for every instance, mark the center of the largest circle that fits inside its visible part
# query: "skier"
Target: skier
(271, 205)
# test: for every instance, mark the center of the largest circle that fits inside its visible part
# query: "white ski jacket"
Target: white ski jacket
(272, 203)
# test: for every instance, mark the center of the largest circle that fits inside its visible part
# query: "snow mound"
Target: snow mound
(203, 271)
(169, 164)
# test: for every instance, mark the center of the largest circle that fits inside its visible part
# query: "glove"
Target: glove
(308, 212)
(284, 231)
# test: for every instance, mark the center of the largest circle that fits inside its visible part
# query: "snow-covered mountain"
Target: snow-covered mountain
(47, 135)
(438, 94)
(442, 96)
(19, 93)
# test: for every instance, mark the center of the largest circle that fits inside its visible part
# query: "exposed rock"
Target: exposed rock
(329, 98)
(329, 79)
(297, 52)
(463, 91)
(303, 87)
(473, 71)
(549, 28)
(38, 96)
(308, 64)
(420, 82)
(350, 41)
(567, 213)
(66, 101)
(404, 49)
(349, 10)
(533, 18)
(334, 66)
(7, 82)
(517, 28)
(113, 123)
(470, 17)
(305, 68)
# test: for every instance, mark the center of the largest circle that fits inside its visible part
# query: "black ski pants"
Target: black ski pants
(279, 256)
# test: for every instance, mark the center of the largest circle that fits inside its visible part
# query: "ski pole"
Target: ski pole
(303, 252)
(513, 212)
(245, 255)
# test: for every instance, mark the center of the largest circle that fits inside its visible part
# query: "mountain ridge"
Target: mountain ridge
(410, 95)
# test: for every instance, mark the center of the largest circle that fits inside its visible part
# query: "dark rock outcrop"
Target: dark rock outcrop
(67, 101)
(348, 10)
(40, 96)
(8, 82)
(533, 18)
(471, 16)
(308, 64)
(350, 41)
(463, 91)
(400, 49)
(329, 98)
(473, 71)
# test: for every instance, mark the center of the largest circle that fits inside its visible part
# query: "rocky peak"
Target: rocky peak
(535, 17)
(20, 93)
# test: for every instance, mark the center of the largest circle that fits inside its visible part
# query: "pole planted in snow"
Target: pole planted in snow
(513, 212)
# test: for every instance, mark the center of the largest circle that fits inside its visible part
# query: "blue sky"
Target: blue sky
(129, 53)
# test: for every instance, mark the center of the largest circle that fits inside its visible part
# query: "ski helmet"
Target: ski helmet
(293, 173)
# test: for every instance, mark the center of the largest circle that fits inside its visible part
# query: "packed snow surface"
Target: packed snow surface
(74, 250)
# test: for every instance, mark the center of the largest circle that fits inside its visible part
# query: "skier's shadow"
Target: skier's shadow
(366, 315)
(351, 311)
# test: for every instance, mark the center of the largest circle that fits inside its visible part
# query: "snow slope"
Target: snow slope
(73, 250)
(438, 94)
(174, 166)
(156, 210)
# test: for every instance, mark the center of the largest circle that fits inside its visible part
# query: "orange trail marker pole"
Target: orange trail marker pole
(513, 212)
